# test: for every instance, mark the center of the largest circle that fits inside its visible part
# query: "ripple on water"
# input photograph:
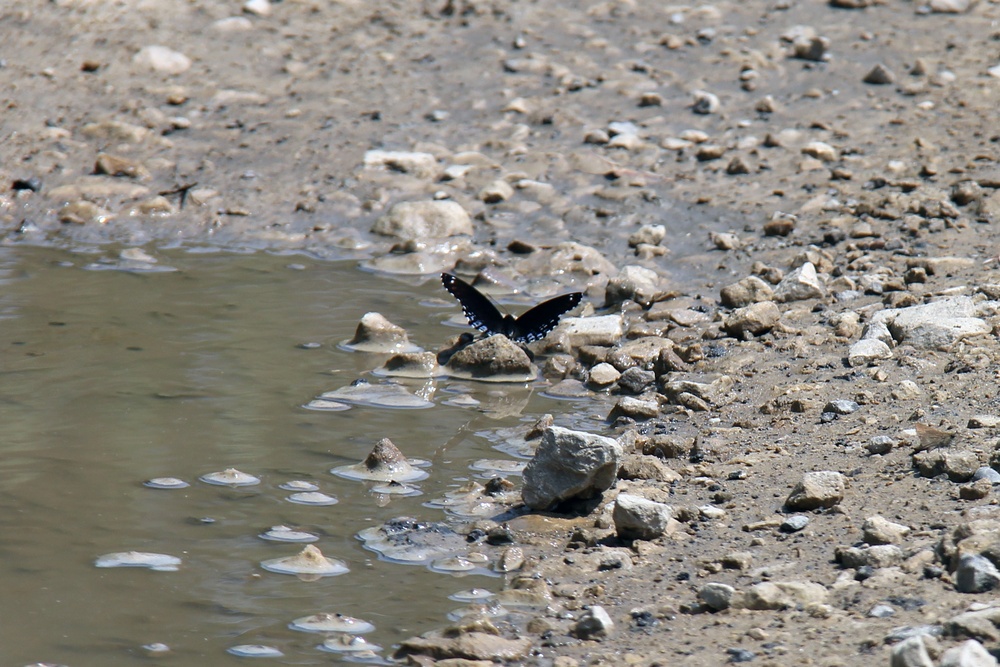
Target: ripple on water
(309, 561)
(254, 651)
(230, 477)
(166, 483)
(153, 561)
(286, 534)
(156, 648)
(324, 622)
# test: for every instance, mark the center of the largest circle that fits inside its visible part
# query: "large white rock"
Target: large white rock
(422, 219)
(936, 325)
(570, 464)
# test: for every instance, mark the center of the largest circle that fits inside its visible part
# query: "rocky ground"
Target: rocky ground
(802, 198)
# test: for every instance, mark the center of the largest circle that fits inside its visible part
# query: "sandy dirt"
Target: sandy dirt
(864, 140)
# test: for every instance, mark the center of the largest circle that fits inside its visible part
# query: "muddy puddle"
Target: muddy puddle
(118, 372)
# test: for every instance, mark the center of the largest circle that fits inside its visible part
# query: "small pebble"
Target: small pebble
(881, 611)
(794, 524)
(740, 655)
(841, 407)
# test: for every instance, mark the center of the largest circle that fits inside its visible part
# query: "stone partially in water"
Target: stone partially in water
(495, 359)
(153, 561)
(299, 486)
(394, 488)
(312, 498)
(377, 334)
(472, 595)
(309, 561)
(357, 646)
(473, 500)
(452, 643)
(325, 622)
(166, 483)
(230, 477)
(373, 395)
(326, 405)
(460, 564)
(406, 540)
(286, 534)
(478, 612)
(383, 464)
(254, 651)
(411, 365)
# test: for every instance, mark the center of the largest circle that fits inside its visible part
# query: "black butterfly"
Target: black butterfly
(484, 316)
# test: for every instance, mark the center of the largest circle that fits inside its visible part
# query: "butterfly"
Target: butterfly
(531, 326)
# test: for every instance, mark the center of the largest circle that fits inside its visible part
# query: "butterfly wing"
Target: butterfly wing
(536, 323)
(480, 312)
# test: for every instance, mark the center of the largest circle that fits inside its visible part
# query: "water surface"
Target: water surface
(115, 377)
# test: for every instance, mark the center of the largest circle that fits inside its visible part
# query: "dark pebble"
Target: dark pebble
(33, 184)
(643, 619)
(740, 655)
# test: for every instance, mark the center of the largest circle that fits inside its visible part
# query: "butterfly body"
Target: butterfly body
(531, 326)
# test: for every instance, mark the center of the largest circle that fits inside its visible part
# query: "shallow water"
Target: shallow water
(114, 377)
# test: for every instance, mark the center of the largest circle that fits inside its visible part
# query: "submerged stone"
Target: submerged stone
(286, 534)
(373, 395)
(153, 561)
(406, 540)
